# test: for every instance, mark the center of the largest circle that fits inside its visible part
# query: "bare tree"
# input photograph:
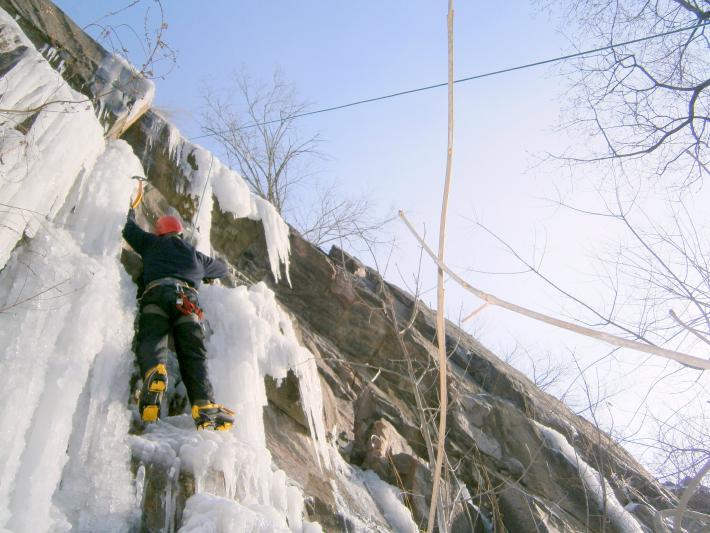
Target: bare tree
(683, 446)
(643, 109)
(334, 218)
(662, 270)
(647, 100)
(260, 139)
(546, 371)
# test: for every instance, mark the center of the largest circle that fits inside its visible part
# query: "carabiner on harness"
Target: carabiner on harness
(186, 306)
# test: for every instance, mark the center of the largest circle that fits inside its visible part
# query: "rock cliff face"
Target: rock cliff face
(517, 459)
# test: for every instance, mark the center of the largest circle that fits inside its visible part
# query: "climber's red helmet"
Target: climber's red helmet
(168, 224)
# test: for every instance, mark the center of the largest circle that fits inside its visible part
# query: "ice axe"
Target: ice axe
(135, 202)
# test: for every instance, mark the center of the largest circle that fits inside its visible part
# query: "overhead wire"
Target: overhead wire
(468, 78)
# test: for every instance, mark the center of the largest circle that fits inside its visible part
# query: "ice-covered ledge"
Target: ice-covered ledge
(191, 179)
(118, 93)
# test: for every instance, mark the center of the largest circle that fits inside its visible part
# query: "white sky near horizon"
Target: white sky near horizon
(394, 150)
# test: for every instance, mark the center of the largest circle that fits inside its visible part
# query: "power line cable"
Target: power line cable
(469, 78)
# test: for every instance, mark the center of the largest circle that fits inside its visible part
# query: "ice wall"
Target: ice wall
(65, 326)
(44, 149)
(67, 311)
(65, 330)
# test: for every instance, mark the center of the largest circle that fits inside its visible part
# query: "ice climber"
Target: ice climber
(172, 271)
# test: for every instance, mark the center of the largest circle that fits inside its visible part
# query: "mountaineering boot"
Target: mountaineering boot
(208, 415)
(155, 383)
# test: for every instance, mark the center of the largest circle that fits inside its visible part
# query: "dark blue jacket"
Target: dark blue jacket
(170, 256)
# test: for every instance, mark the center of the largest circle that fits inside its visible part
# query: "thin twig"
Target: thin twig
(698, 334)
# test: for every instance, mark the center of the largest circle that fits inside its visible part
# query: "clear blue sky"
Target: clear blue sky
(338, 52)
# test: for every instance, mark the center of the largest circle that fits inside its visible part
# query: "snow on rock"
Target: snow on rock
(119, 88)
(622, 520)
(40, 161)
(201, 186)
(356, 488)
(388, 499)
(207, 177)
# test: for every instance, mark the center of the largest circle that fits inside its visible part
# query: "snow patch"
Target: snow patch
(118, 87)
(620, 517)
(388, 499)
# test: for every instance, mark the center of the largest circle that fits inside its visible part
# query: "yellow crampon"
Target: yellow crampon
(213, 416)
(155, 383)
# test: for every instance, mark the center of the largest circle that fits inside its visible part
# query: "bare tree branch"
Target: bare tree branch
(647, 100)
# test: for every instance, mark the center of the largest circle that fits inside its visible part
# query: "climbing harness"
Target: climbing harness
(183, 303)
(186, 306)
(168, 281)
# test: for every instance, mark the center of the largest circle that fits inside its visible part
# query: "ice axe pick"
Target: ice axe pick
(135, 202)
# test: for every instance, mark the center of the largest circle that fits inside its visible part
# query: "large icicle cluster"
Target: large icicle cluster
(65, 330)
(44, 149)
(209, 177)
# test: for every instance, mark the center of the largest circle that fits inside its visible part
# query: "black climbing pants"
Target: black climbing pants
(159, 318)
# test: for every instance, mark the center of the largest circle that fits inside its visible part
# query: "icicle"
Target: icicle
(175, 143)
